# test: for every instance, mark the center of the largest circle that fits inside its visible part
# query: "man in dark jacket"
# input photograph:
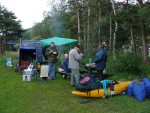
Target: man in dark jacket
(51, 53)
(100, 61)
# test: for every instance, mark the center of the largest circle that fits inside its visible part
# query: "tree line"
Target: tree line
(10, 27)
(119, 24)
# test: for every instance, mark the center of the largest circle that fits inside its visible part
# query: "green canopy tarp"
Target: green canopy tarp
(58, 41)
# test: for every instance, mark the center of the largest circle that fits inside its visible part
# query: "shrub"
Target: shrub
(125, 62)
(14, 49)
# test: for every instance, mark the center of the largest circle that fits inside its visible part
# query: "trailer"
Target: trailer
(30, 51)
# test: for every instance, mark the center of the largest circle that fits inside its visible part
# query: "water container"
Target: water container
(90, 61)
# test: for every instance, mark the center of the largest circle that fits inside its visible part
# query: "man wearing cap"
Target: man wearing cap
(74, 58)
(51, 53)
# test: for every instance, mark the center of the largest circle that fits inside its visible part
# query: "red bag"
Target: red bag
(86, 80)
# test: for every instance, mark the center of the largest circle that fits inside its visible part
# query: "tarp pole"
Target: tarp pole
(20, 41)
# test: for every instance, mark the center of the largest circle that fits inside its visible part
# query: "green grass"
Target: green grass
(17, 96)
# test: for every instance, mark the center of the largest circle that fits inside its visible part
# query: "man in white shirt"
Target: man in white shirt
(74, 58)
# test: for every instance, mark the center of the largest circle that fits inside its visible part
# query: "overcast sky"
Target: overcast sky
(28, 11)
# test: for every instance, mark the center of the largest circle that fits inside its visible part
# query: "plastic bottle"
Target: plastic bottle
(90, 61)
(123, 93)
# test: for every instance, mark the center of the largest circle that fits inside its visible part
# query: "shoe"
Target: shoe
(49, 78)
(72, 85)
(63, 76)
(52, 78)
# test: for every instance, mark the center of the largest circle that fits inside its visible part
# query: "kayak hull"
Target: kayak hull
(118, 88)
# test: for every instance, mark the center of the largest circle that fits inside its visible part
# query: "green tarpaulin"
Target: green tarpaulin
(58, 41)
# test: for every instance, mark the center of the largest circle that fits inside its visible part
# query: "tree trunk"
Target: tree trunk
(144, 40)
(114, 34)
(78, 18)
(110, 34)
(1, 46)
(88, 24)
(114, 40)
(84, 30)
(99, 19)
(131, 32)
(132, 40)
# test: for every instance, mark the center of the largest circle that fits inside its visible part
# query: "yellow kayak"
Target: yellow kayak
(118, 88)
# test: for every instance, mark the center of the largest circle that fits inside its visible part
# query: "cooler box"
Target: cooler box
(28, 75)
(28, 72)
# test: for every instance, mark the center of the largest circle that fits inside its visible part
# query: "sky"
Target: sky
(28, 11)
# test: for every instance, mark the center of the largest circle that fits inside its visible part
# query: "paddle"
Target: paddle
(86, 100)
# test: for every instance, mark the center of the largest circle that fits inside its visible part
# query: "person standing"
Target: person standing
(74, 57)
(52, 53)
(100, 61)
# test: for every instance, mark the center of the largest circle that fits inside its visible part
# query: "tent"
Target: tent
(58, 41)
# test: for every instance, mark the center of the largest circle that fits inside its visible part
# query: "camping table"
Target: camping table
(90, 69)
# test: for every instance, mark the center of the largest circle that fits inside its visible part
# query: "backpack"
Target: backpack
(86, 80)
(87, 84)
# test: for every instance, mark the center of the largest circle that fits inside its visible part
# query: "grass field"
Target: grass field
(17, 96)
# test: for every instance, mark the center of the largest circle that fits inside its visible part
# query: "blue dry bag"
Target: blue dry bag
(130, 89)
(147, 86)
(139, 91)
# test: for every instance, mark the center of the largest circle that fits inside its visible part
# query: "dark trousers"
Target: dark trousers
(100, 74)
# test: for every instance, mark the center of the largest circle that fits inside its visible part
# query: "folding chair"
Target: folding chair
(9, 63)
(44, 71)
(61, 71)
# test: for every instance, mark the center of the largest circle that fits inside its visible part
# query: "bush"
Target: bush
(14, 49)
(126, 63)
